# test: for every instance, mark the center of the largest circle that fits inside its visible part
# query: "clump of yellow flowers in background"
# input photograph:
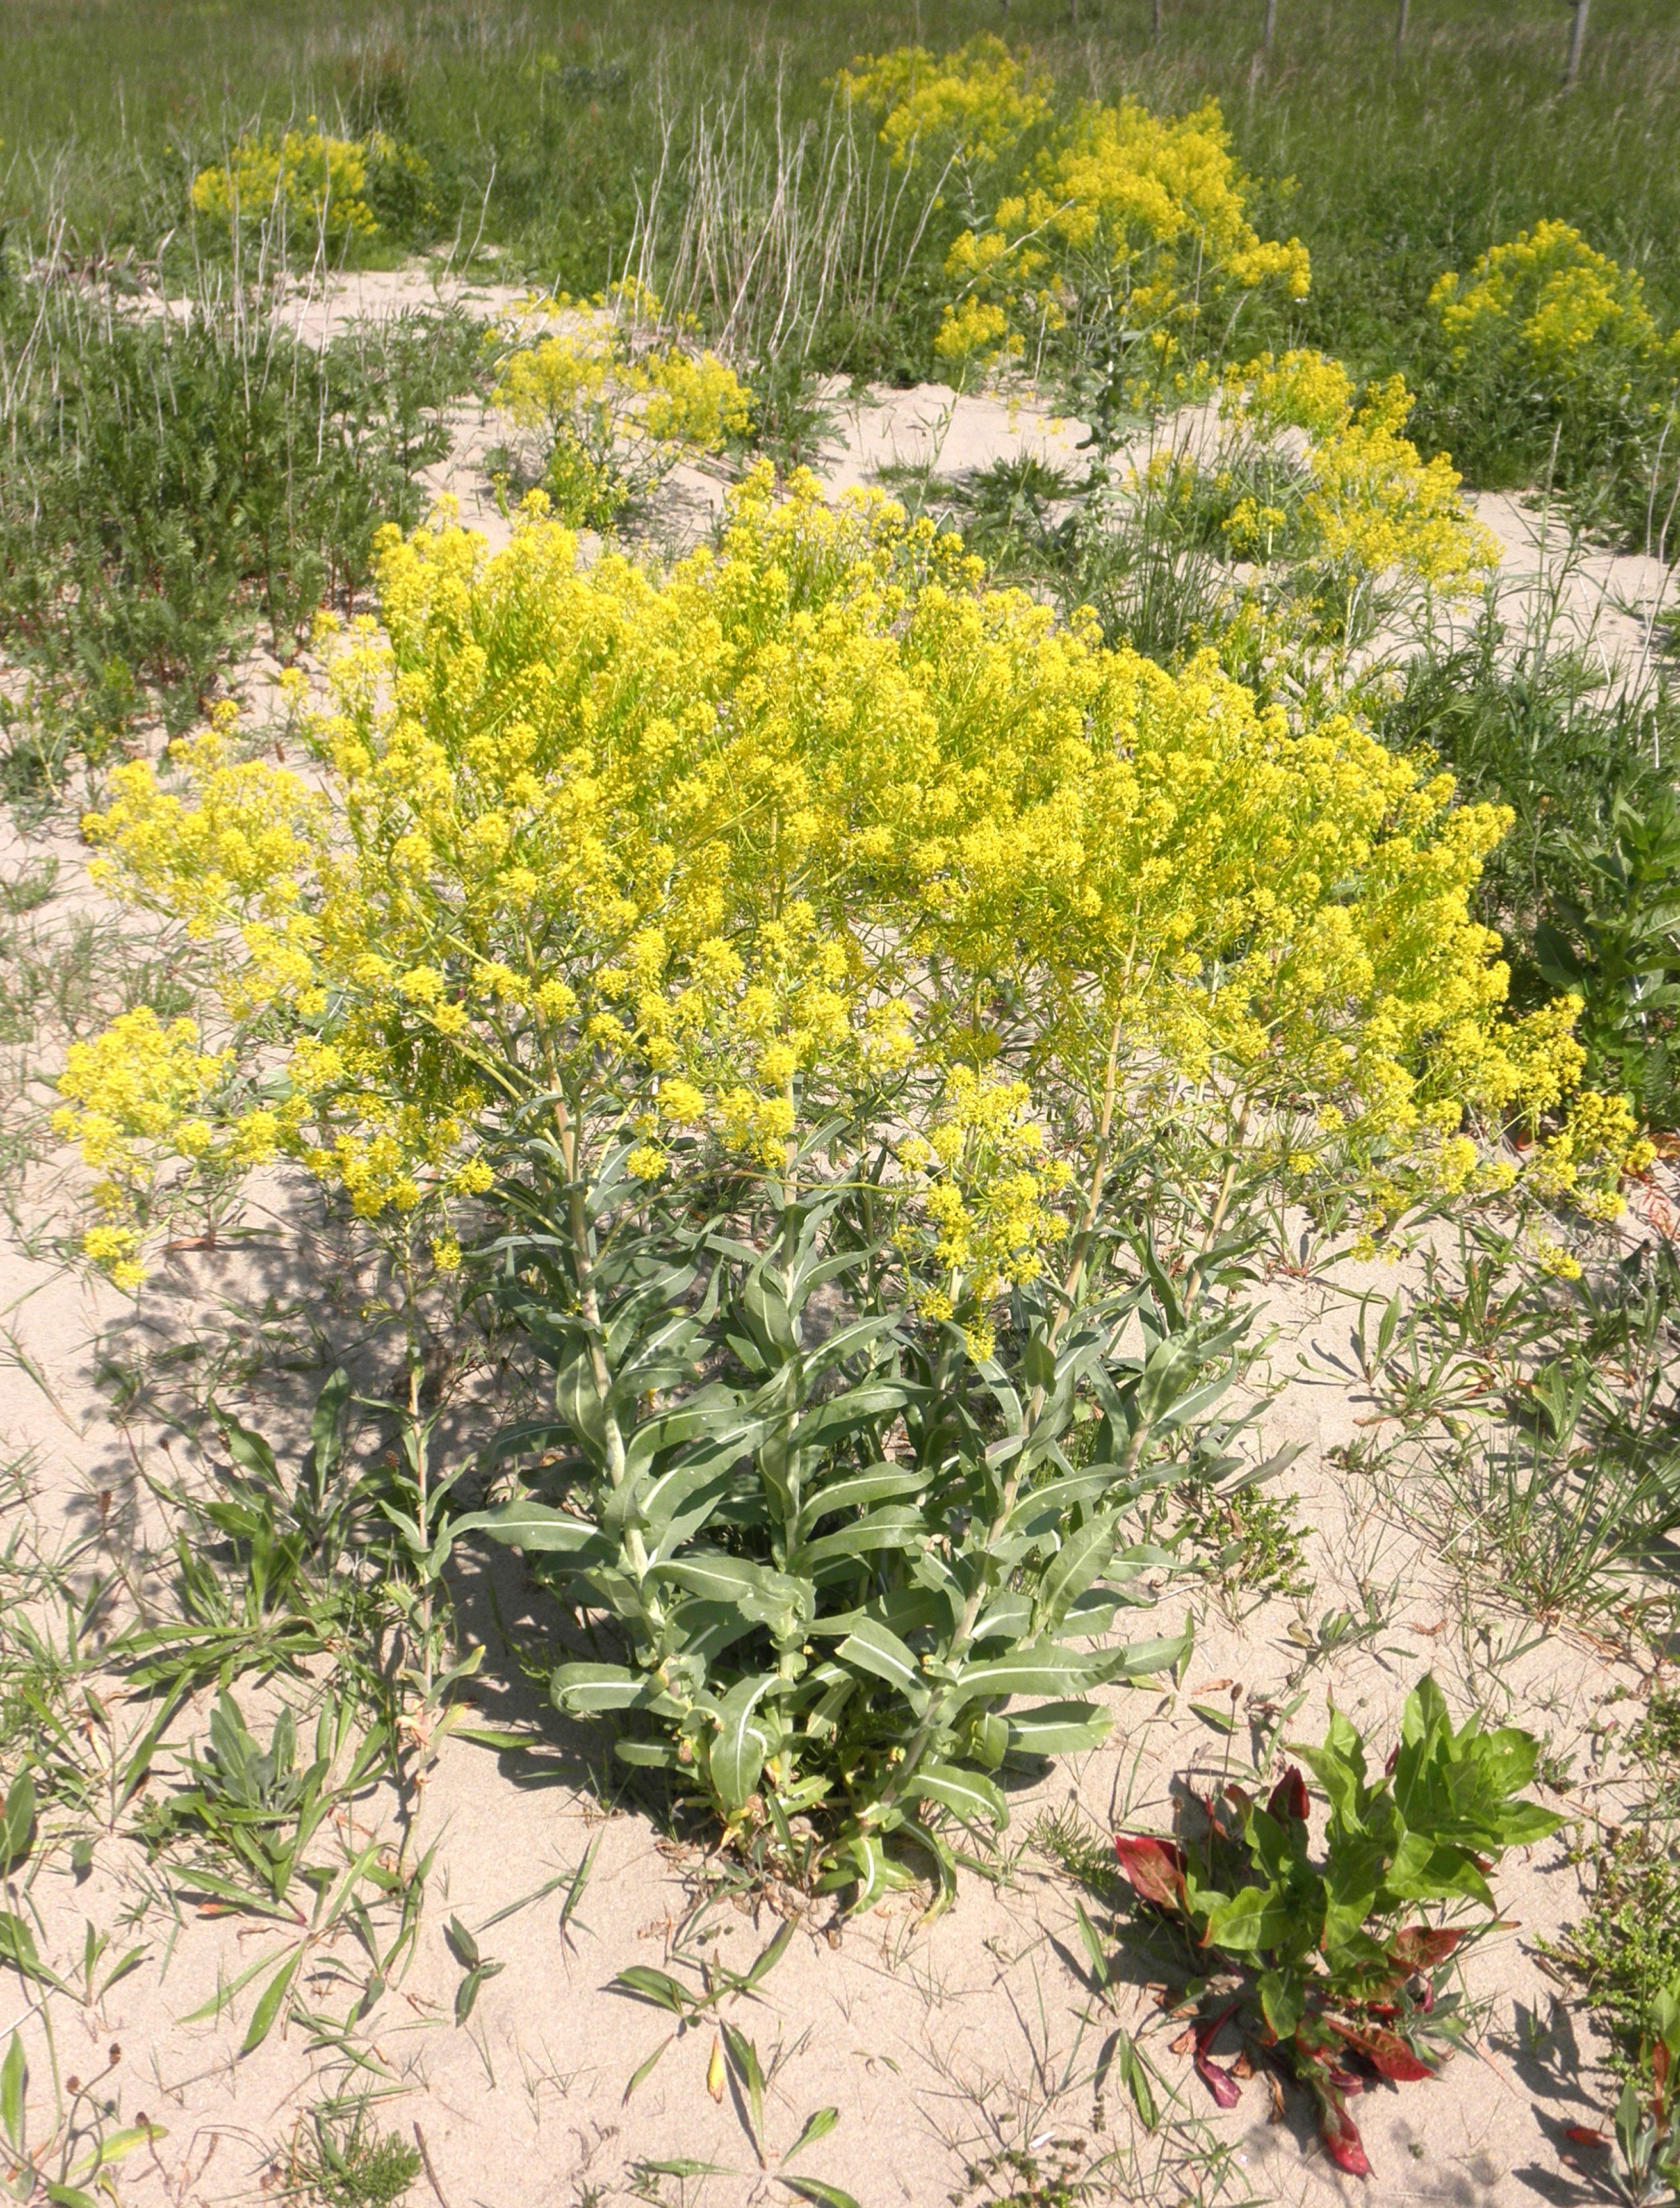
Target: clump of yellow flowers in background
(813, 831)
(1084, 231)
(618, 399)
(1361, 523)
(317, 182)
(1565, 307)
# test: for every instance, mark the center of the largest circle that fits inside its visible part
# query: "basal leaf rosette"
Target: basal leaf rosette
(802, 824)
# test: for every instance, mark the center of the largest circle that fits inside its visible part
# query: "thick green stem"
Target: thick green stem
(1072, 1282)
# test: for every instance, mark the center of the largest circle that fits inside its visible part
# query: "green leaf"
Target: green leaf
(885, 1484)
(14, 2082)
(817, 2125)
(1082, 1558)
(269, 2003)
(731, 1579)
(326, 1422)
(1143, 1659)
(770, 1956)
(814, 2189)
(892, 1528)
(738, 1750)
(247, 1449)
(585, 1688)
(462, 1943)
(870, 1857)
(645, 2070)
(1254, 1918)
(1135, 2075)
(744, 2062)
(648, 1754)
(968, 1795)
(1067, 1728)
(467, 1992)
(1281, 2001)
(17, 1948)
(19, 1823)
(875, 1648)
(1222, 1721)
(1092, 1945)
(646, 1983)
(538, 1528)
(1045, 1669)
(119, 2143)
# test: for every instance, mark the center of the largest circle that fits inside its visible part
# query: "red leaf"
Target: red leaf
(1289, 1798)
(1586, 2135)
(1387, 2053)
(1155, 1868)
(1420, 1947)
(1218, 2080)
(1342, 2143)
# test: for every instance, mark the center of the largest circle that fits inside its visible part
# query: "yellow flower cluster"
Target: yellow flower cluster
(619, 408)
(1110, 219)
(136, 1090)
(970, 107)
(1566, 307)
(804, 826)
(1598, 1144)
(985, 1187)
(318, 181)
(1357, 505)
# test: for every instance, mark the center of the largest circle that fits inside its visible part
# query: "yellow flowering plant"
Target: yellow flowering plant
(1321, 486)
(1552, 357)
(834, 999)
(618, 401)
(1105, 240)
(322, 186)
(1128, 241)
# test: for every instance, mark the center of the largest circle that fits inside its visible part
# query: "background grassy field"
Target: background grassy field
(1392, 160)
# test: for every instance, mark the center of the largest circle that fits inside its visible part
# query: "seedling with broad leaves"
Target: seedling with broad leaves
(1334, 1973)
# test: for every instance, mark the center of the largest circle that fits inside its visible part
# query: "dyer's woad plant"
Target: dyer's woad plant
(843, 1009)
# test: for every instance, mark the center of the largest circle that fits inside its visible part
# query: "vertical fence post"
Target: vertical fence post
(1577, 40)
(1404, 18)
(1271, 22)
(1154, 22)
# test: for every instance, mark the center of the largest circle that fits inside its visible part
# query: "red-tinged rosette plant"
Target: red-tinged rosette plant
(1337, 1979)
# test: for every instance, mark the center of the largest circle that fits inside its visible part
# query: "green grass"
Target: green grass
(544, 121)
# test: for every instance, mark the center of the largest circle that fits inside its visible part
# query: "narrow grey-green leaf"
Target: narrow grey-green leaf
(1082, 1558)
(268, 2005)
(874, 1647)
(738, 1752)
(969, 1795)
(1063, 1728)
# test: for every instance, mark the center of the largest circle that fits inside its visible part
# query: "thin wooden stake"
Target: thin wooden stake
(1400, 26)
(1577, 40)
(1271, 21)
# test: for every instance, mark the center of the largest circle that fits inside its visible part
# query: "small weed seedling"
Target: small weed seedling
(350, 2164)
(82, 2147)
(1333, 1980)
